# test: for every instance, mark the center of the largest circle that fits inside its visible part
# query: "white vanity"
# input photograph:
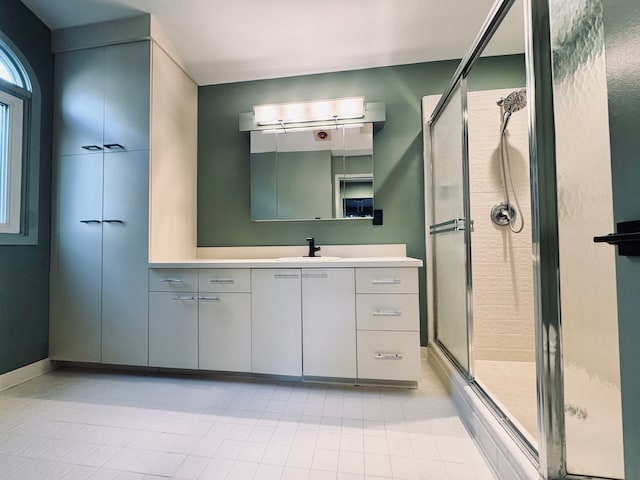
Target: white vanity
(119, 294)
(354, 319)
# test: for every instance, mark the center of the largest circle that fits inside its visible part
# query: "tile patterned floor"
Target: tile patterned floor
(77, 424)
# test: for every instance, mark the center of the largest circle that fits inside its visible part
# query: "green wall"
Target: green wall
(622, 40)
(223, 155)
(24, 269)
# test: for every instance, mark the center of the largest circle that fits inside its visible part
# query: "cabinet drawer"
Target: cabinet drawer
(173, 280)
(224, 280)
(386, 280)
(389, 355)
(387, 312)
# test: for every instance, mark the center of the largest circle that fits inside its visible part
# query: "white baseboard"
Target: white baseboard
(21, 375)
(500, 449)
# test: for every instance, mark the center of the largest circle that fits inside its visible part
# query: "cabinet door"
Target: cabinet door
(173, 330)
(125, 258)
(79, 101)
(127, 93)
(225, 331)
(276, 326)
(329, 322)
(77, 258)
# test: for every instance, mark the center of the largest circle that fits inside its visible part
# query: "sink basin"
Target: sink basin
(306, 259)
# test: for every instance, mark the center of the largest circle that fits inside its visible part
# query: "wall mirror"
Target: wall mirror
(312, 173)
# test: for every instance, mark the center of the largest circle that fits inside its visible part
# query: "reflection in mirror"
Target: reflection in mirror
(312, 173)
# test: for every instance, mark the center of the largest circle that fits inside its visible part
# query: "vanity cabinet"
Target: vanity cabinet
(224, 319)
(200, 319)
(328, 322)
(388, 331)
(173, 329)
(276, 323)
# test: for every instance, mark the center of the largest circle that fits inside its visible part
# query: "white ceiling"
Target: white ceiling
(228, 41)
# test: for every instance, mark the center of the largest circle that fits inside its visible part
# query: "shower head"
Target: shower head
(515, 101)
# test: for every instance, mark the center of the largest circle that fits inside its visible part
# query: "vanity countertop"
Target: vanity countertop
(291, 262)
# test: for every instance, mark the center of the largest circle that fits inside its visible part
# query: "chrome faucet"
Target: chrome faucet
(312, 247)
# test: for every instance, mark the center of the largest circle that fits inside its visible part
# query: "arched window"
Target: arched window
(15, 88)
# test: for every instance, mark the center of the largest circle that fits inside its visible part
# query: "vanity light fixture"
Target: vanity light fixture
(312, 111)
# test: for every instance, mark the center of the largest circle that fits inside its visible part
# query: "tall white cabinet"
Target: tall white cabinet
(108, 151)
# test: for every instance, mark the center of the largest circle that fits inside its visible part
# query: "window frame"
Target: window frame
(17, 142)
(23, 205)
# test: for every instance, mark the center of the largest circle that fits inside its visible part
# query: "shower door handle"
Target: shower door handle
(453, 225)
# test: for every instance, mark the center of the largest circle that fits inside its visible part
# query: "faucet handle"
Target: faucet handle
(310, 239)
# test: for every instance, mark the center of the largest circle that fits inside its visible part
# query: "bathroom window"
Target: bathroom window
(14, 94)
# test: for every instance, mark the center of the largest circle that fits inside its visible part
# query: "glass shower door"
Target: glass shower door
(449, 228)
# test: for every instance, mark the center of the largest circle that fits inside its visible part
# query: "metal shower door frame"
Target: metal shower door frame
(466, 225)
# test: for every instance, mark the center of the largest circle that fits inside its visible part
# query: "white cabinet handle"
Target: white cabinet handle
(394, 281)
(184, 298)
(286, 275)
(315, 275)
(171, 280)
(388, 356)
(391, 313)
(210, 299)
(222, 280)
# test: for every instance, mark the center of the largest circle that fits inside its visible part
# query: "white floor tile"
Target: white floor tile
(95, 425)
(191, 468)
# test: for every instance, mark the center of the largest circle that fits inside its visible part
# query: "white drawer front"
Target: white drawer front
(387, 312)
(387, 280)
(224, 280)
(389, 355)
(173, 280)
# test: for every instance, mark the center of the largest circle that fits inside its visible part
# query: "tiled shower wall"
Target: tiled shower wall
(503, 320)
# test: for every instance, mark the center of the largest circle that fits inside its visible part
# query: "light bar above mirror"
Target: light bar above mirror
(313, 113)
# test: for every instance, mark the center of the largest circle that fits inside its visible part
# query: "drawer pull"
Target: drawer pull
(210, 299)
(171, 280)
(389, 356)
(394, 281)
(92, 148)
(315, 275)
(114, 146)
(226, 281)
(382, 313)
(286, 275)
(184, 298)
